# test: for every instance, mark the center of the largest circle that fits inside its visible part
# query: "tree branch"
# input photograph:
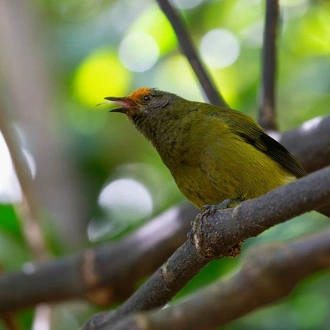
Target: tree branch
(29, 209)
(189, 50)
(259, 282)
(9, 319)
(215, 235)
(10, 322)
(104, 275)
(309, 145)
(27, 94)
(267, 109)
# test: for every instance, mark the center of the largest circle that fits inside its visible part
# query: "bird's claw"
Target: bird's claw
(210, 209)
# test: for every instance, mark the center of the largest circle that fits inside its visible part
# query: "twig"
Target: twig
(18, 70)
(259, 282)
(30, 215)
(29, 208)
(28, 94)
(10, 321)
(188, 49)
(267, 110)
(104, 275)
(215, 235)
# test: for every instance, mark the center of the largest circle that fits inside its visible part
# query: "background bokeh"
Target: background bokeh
(96, 177)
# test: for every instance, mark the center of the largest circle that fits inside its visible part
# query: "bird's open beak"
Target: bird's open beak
(125, 102)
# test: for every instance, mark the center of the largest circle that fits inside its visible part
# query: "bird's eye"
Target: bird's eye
(147, 97)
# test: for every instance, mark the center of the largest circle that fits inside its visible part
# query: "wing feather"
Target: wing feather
(245, 127)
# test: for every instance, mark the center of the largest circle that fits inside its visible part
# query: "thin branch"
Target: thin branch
(189, 50)
(27, 94)
(259, 282)
(105, 275)
(30, 214)
(10, 322)
(215, 235)
(267, 106)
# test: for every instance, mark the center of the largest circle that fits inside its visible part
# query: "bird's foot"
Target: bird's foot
(209, 209)
(235, 250)
(190, 234)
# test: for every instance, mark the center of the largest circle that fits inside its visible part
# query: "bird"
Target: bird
(217, 156)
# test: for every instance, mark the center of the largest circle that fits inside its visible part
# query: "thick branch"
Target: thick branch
(105, 275)
(259, 282)
(309, 145)
(215, 235)
(267, 110)
(9, 319)
(188, 49)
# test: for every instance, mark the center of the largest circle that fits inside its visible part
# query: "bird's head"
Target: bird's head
(141, 102)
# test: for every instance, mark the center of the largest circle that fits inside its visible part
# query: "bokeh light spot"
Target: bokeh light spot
(10, 191)
(104, 228)
(126, 199)
(99, 75)
(174, 74)
(219, 48)
(163, 35)
(138, 52)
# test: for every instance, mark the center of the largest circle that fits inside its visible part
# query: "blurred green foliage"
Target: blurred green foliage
(82, 41)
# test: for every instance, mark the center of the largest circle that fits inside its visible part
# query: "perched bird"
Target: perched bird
(213, 153)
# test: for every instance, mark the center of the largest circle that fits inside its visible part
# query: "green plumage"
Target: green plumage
(213, 153)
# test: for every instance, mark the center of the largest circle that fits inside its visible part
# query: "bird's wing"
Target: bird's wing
(252, 133)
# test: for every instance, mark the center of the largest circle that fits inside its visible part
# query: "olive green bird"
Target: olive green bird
(213, 153)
